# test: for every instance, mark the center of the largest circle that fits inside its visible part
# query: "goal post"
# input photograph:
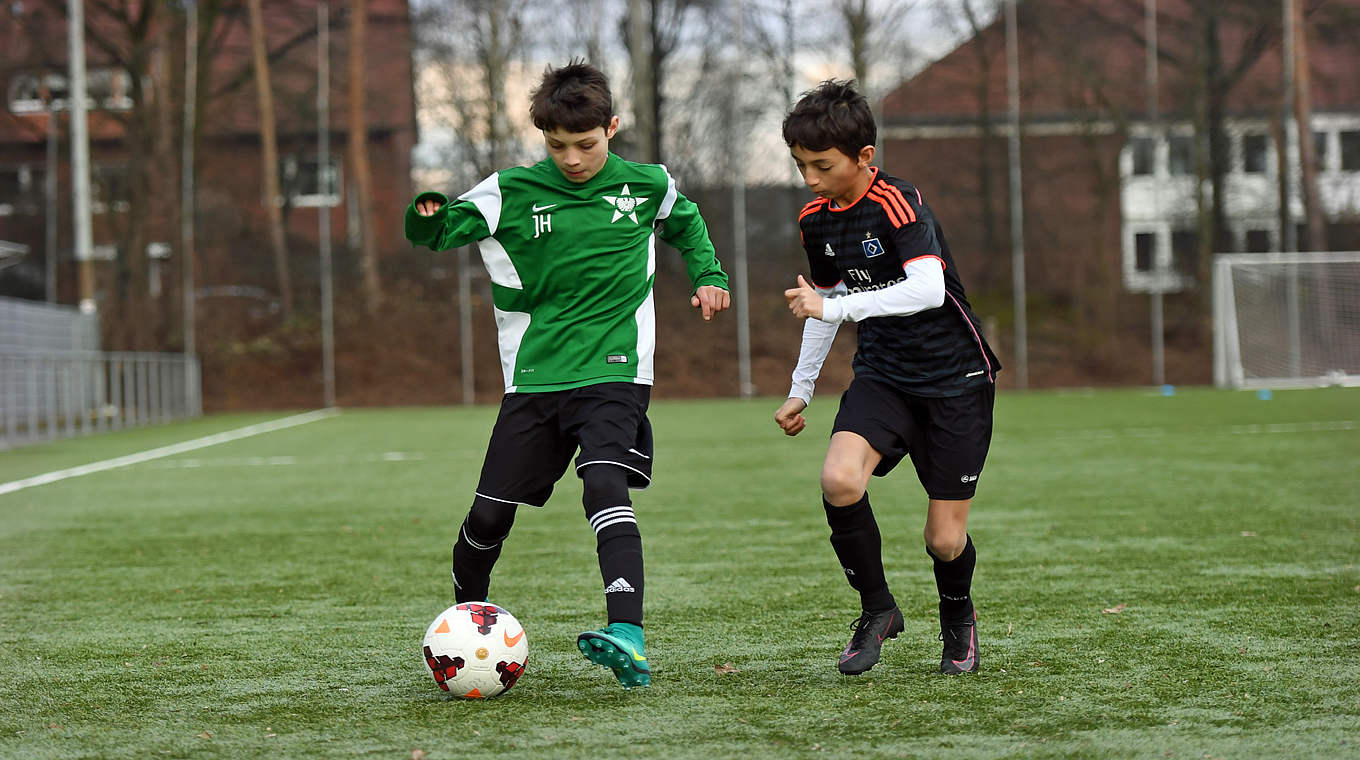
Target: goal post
(1286, 320)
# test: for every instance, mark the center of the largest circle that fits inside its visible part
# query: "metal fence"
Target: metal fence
(54, 382)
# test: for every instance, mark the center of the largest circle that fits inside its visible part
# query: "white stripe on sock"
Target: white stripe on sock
(615, 521)
(610, 513)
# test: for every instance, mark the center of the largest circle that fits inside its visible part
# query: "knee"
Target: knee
(490, 521)
(604, 485)
(945, 543)
(842, 485)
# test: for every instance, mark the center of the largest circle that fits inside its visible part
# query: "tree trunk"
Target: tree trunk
(358, 156)
(269, 162)
(1303, 116)
(640, 52)
(497, 62)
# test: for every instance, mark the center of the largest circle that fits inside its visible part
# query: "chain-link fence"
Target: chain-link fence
(55, 382)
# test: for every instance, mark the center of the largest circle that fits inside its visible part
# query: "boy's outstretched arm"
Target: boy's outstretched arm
(804, 300)
(684, 228)
(438, 223)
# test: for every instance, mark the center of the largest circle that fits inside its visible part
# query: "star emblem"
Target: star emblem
(625, 204)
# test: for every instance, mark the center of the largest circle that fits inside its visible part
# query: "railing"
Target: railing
(54, 394)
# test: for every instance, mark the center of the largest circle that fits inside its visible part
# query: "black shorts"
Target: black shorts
(947, 438)
(536, 434)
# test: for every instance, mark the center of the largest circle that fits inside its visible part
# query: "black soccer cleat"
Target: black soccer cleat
(870, 631)
(960, 646)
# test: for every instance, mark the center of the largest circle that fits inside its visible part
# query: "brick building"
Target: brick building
(1110, 207)
(136, 62)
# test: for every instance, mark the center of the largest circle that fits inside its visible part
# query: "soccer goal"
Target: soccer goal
(1286, 320)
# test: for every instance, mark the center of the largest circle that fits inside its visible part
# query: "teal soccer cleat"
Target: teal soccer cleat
(619, 647)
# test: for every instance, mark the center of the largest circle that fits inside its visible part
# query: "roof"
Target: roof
(1078, 58)
(34, 40)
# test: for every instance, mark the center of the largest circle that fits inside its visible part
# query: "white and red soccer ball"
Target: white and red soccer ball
(476, 650)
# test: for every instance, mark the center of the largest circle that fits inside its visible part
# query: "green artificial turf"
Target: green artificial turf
(1158, 576)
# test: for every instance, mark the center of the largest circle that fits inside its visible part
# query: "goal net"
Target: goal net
(1286, 320)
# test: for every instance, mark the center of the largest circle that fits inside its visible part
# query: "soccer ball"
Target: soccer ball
(476, 650)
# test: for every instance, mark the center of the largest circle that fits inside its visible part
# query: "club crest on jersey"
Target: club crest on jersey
(625, 204)
(872, 247)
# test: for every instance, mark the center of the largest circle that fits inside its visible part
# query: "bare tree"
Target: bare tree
(470, 51)
(666, 24)
(269, 155)
(358, 155)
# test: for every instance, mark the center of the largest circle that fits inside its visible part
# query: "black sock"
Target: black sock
(618, 543)
(954, 580)
(859, 547)
(479, 546)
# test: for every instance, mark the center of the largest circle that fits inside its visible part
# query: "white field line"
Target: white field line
(280, 461)
(1259, 429)
(165, 451)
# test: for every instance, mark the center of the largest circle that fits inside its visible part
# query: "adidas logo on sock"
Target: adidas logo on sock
(620, 585)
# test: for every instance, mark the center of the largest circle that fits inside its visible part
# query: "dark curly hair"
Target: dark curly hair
(833, 115)
(575, 97)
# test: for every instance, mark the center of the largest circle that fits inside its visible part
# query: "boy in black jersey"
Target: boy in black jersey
(924, 377)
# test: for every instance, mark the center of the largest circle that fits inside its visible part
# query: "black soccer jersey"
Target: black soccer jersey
(866, 245)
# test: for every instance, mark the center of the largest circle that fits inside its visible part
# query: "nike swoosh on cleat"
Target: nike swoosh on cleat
(967, 664)
(510, 641)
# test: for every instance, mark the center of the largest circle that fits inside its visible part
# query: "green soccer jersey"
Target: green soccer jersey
(572, 266)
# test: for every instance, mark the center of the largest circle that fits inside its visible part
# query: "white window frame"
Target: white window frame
(288, 167)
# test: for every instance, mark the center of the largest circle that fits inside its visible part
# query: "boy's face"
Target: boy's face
(580, 155)
(832, 174)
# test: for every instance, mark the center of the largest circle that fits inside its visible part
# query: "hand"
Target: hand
(710, 299)
(790, 416)
(804, 301)
(427, 207)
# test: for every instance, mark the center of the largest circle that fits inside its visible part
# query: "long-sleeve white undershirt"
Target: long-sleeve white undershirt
(922, 289)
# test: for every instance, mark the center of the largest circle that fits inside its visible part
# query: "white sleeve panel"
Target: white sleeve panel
(922, 289)
(667, 202)
(817, 339)
(487, 197)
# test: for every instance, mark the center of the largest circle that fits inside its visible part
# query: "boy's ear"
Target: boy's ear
(866, 156)
(613, 127)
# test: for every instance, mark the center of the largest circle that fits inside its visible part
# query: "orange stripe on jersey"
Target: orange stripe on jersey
(927, 256)
(893, 215)
(811, 207)
(885, 190)
(895, 193)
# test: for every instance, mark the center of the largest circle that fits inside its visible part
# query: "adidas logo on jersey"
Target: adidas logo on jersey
(619, 586)
(828, 250)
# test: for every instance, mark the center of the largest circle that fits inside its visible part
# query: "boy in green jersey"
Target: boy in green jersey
(570, 245)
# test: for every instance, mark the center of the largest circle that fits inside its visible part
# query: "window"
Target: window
(1320, 149)
(109, 189)
(1144, 251)
(1350, 151)
(1258, 241)
(1144, 152)
(1254, 154)
(1180, 155)
(21, 189)
(108, 88)
(302, 183)
(1185, 251)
